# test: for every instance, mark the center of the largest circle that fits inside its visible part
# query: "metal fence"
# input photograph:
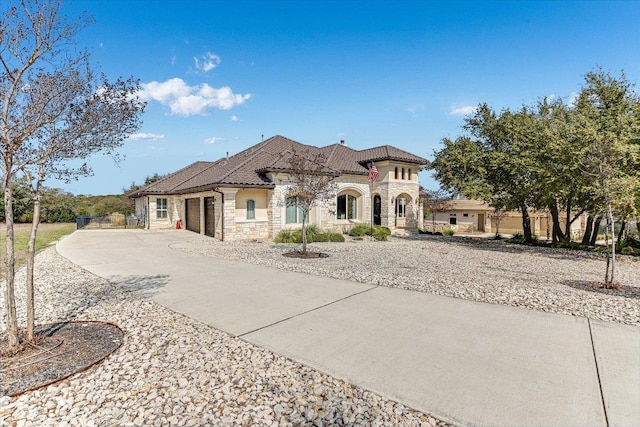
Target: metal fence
(114, 220)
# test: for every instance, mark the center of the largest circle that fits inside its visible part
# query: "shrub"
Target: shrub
(314, 234)
(284, 236)
(360, 230)
(448, 232)
(335, 237)
(568, 245)
(381, 233)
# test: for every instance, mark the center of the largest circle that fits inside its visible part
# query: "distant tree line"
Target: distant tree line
(57, 205)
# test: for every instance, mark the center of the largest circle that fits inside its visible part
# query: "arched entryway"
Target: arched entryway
(404, 211)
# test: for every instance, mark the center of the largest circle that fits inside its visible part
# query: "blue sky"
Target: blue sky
(219, 75)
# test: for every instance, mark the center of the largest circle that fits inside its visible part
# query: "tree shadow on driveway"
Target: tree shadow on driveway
(142, 286)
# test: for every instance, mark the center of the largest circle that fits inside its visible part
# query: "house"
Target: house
(471, 216)
(243, 196)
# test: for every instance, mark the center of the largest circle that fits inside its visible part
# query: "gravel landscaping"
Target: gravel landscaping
(540, 278)
(174, 371)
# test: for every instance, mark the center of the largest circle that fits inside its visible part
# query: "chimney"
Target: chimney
(342, 142)
(227, 155)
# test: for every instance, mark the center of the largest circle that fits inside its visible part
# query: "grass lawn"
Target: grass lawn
(47, 233)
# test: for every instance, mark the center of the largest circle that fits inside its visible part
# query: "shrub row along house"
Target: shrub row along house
(243, 196)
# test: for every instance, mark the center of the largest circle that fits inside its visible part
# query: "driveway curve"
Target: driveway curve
(466, 362)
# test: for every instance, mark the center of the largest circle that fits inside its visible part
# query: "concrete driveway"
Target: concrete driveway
(465, 362)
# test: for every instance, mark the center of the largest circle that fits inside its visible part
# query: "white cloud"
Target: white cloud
(188, 100)
(208, 62)
(234, 118)
(173, 60)
(462, 111)
(573, 98)
(214, 139)
(145, 136)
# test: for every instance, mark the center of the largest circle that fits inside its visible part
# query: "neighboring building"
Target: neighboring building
(243, 196)
(471, 216)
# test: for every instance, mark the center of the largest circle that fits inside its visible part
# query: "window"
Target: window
(347, 207)
(466, 215)
(294, 212)
(401, 207)
(396, 174)
(409, 178)
(402, 173)
(251, 209)
(161, 208)
(453, 220)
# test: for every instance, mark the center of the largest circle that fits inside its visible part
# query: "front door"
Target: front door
(377, 208)
(481, 222)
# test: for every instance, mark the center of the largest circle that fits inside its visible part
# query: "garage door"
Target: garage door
(192, 214)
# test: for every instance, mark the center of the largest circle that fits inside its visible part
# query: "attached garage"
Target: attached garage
(192, 214)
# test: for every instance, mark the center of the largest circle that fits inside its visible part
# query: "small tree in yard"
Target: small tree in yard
(435, 202)
(53, 111)
(311, 182)
(498, 215)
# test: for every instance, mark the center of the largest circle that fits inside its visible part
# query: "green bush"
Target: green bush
(568, 245)
(381, 233)
(314, 234)
(284, 236)
(360, 230)
(335, 237)
(448, 232)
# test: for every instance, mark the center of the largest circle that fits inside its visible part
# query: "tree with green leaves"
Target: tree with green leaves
(495, 163)
(608, 114)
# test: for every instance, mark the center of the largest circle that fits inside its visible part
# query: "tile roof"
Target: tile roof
(248, 168)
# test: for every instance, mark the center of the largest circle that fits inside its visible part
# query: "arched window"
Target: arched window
(401, 207)
(347, 207)
(251, 209)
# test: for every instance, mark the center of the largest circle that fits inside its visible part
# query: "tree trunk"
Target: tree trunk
(304, 232)
(606, 242)
(555, 217)
(526, 224)
(611, 222)
(596, 228)
(587, 231)
(622, 230)
(30, 337)
(10, 292)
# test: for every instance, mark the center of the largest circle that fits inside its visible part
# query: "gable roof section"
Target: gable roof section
(248, 168)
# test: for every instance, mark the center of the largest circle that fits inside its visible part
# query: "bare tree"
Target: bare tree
(498, 215)
(311, 182)
(53, 110)
(435, 201)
